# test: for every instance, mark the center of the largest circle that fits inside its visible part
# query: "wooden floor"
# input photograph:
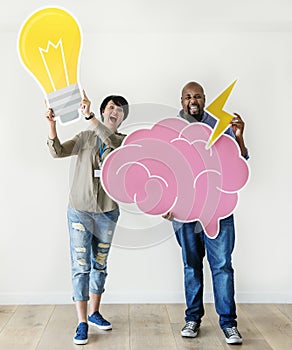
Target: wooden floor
(139, 327)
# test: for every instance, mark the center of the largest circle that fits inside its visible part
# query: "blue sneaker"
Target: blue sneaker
(81, 334)
(98, 321)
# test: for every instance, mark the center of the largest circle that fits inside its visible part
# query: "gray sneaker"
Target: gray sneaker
(232, 336)
(190, 329)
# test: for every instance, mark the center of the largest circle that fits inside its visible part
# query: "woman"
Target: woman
(92, 215)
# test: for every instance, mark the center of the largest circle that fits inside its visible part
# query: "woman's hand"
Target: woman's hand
(85, 105)
(50, 116)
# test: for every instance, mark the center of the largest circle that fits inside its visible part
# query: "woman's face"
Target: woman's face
(113, 116)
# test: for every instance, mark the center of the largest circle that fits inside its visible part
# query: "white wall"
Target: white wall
(147, 50)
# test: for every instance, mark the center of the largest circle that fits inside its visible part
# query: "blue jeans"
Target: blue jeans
(91, 235)
(193, 242)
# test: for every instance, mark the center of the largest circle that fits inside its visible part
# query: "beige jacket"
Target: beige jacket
(86, 192)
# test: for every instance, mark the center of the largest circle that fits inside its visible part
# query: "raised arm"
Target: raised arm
(50, 116)
(85, 109)
(57, 149)
(237, 125)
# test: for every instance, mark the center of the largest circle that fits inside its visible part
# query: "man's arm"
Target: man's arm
(237, 126)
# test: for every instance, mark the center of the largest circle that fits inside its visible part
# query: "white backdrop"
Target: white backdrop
(147, 50)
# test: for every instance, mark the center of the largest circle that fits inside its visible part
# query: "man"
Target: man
(194, 242)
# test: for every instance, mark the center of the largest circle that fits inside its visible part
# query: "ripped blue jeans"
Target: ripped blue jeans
(91, 235)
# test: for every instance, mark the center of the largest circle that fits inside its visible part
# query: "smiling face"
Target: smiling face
(193, 100)
(113, 116)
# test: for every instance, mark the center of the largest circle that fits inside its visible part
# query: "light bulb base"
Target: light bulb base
(65, 103)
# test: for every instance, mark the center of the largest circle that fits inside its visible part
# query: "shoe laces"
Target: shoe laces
(190, 325)
(232, 331)
(97, 316)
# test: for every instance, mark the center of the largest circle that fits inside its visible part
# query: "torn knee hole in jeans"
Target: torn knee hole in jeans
(103, 245)
(78, 226)
(103, 249)
(81, 262)
(100, 258)
(80, 250)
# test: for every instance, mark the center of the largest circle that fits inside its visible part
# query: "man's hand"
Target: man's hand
(168, 216)
(237, 125)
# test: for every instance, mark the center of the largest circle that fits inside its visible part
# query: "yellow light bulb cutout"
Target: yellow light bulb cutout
(49, 45)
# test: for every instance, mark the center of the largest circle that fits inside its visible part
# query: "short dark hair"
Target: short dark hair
(117, 100)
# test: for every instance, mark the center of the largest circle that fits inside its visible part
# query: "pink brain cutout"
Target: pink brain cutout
(168, 168)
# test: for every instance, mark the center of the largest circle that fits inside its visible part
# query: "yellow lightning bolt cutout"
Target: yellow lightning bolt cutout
(224, 118)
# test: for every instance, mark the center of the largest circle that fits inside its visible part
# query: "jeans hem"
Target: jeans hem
(192, 319)
(80, 299)
(94, 291)
(228, 325)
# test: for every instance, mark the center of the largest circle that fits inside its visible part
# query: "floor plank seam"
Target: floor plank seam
(253, 324)
(45, 327)
(284, 314)
(9, 318)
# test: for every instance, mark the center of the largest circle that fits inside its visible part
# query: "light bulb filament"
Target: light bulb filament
(57, 73)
